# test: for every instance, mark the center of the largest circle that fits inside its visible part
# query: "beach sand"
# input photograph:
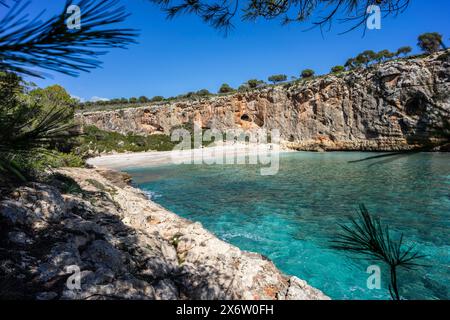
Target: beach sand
(210, 155)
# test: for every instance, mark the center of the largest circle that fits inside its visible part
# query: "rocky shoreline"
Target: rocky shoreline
(88, 234)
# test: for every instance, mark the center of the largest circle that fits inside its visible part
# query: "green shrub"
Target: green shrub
(254, 83)
(444, 57)
(404, 51)
(203, 93)
(337, 69)
(307, 73)
(384, 55)
(96, 140)
(157, 99)
(32, 165)
(351, 64)
(366, 57)
(277, 78)
(430, 42)
(243, 88)
(225, 88)
(34, 125)
(96, 184)
(65, 184)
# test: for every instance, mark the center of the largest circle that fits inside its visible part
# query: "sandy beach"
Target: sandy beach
(230, 153)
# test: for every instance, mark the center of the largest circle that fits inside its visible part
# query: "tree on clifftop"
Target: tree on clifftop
(351, 64)
(277, 78)
(430, 42)
(404, 51)
(254, 83)
(157, 99)
(366, 57)
(203, 93)
(307, 73)
(225, 88)
(384, 55)
(337, 69)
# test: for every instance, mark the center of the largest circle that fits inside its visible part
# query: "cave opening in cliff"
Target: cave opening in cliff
(416, 106)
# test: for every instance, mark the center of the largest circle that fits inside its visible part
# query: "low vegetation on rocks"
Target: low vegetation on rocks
(97, 141)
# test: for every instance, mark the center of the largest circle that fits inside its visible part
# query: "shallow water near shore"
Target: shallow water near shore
(292, 216)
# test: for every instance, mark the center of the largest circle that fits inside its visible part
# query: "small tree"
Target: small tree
(337, 69)
(404, 51)
(157, 99)
(307, 73)
(225, 88)
(52, 96)
(189, 95)
(203, 93)
(366, 57)
(133, 100)
(143, 99)
(350, 64)
(277, 78)
(384, 55)
(254, 83)
(430, 42)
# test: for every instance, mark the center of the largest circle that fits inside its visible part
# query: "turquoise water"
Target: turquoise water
(292, 216)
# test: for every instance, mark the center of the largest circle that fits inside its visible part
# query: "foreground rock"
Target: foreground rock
(125, 247)
(398, 105)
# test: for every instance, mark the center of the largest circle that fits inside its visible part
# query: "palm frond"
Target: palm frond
(28, 127)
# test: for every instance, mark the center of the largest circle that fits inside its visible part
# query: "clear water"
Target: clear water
(292, 216)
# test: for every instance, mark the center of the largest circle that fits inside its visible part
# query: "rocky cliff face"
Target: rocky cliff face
(124, 246)
(392, 106)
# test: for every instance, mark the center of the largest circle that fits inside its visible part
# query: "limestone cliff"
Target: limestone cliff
(390, 106)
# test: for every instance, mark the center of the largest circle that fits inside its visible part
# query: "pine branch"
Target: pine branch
(368, 238)
(4, 3)
(220, 14)
(29, 44)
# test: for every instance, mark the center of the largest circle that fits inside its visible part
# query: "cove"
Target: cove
(291, 217)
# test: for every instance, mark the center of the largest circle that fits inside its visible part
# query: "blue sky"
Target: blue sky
(182, 55)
